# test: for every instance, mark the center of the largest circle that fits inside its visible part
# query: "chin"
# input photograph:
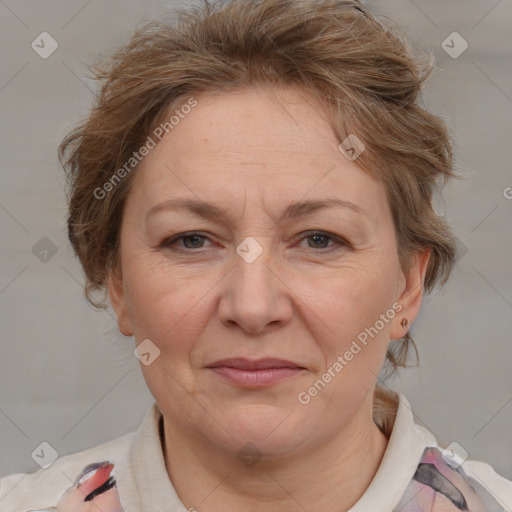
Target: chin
(269, 428)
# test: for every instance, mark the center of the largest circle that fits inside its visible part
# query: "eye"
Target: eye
(194, 238)
(320, 238)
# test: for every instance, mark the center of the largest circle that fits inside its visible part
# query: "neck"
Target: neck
(327, 477)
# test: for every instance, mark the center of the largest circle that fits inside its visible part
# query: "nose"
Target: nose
(256, 294)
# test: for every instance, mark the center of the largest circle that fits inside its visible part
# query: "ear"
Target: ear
(117, 297)
(411, 295)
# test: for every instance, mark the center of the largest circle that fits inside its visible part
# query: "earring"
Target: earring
(121, 329)
(404, 323)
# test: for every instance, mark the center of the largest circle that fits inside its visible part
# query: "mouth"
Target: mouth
(267, 363)
(255, 373)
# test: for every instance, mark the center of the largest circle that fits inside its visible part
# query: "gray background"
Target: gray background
(69, 378)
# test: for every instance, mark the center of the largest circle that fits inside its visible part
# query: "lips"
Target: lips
(241, 363)
(247, 373)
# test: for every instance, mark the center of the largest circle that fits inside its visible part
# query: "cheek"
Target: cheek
(171, 308)
(158, 297)
(350, 305)
(353, 298)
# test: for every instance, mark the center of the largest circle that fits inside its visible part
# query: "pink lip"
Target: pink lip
(241, 363)
(255, 373)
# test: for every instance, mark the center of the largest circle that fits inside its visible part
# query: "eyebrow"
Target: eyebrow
(216, 213)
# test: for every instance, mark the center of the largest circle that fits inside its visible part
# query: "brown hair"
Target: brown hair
(364, 71)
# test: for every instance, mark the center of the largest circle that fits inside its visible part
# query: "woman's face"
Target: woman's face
(253, 283)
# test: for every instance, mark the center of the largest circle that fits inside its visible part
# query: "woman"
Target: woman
(254, 191)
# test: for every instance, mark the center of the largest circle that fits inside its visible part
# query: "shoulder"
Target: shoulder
(20, 492)
(481, 473)
(474, 480)
(444, 474)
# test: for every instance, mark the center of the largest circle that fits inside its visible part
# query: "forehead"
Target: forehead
(254, 126)
(257, 142)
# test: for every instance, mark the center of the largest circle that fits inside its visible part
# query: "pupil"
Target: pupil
(315, 237)
(196, 237)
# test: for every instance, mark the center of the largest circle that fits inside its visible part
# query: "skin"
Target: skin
(303, 299)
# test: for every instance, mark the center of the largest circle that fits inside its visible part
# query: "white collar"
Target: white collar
(403, 453)
(153, 482)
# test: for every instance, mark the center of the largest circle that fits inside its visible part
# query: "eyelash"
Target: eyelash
(170, 243)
